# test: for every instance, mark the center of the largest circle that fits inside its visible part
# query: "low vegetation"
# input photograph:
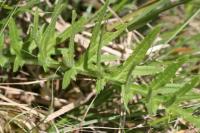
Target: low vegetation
(100, 66)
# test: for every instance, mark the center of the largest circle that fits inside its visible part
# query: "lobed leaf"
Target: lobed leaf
(187, 115)
(48, 40)
(1, 42)
(164, 77)
(69, 74)
(182, 91)
(161, 80)
(125, 71)
(95, 40)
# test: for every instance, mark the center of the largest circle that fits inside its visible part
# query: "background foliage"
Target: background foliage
(94, 66)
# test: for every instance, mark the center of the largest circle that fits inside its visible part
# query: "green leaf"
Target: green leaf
(125, 71)
(69, 74)
(48, 40)
(147, 70)
(34, 34)
(98, 60)
(164, 77)
(19, 62)
(16, 43)
(161, 80)
(3, 61)
(71, 43)
(187, 87)
(100, 83)
(109, 36)
(106, 58)
(1, 42)
(152, 106)
(93, 46)
(182, 26)
(143, 15)
(182, 91)
(127, 95)
(187, 115)
(27, 7)
(78, 27)
(66, 58)
(68, 54)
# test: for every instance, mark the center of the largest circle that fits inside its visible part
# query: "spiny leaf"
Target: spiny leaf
(187, 87)
(99, 51)
(106, 58)
(95, 36)
(124, 73)
(182, 91)
(16, 44)
(137, 56)
(50, 31)
(127, 95)
(187, 115)
(109, 36)
(164, 77)
(78, 26)
(35, 28)
(48, 40)
(147, 70)
(68, 55)
(152, 106)
(161, 80)
(66, 58)
(70, 74)
(3, 61)
(19, 62)
(100, 83)
(1, 42)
